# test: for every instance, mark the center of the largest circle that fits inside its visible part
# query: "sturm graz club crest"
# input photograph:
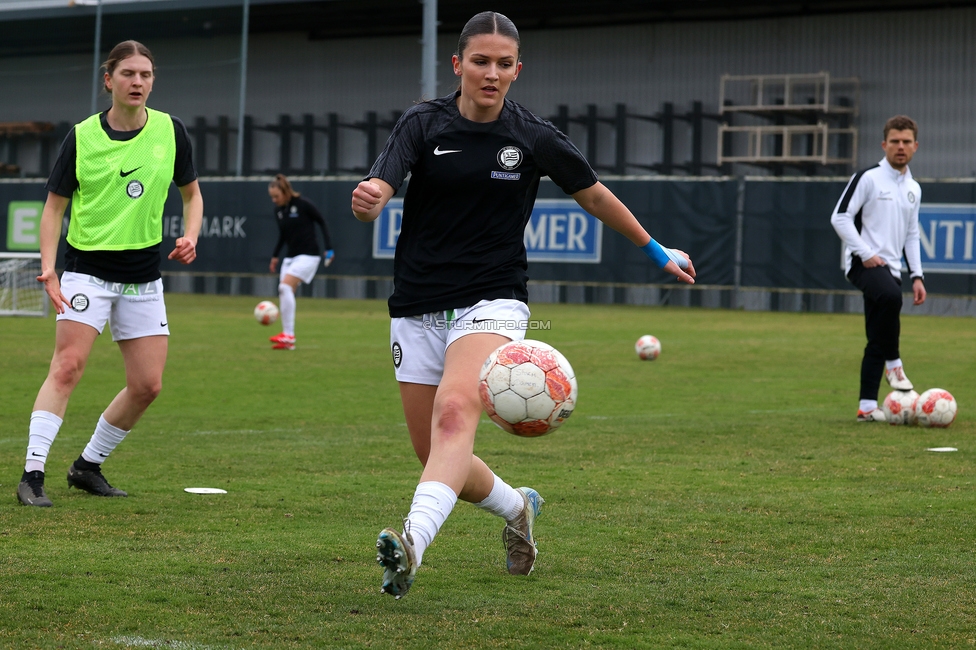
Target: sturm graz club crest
(79, 302)
(397, 354)
(510, 157)
(911, 197)
(134, 189)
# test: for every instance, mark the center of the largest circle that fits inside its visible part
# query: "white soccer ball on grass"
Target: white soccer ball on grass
(899, 407)
(648, 347)
(935, 407)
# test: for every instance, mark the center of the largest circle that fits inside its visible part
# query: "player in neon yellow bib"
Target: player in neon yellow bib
(120, 206)
(115, 168)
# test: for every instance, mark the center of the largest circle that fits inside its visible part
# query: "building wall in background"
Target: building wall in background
(919, 63)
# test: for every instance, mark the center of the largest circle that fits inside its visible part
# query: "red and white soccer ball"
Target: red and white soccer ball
(648, 347)
(266, 312)
(899, 407)
(528, 388)
(935, 408)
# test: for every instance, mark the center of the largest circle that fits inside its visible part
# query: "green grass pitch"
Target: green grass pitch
(721, 496)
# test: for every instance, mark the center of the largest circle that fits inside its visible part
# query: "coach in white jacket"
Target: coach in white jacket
(877, 219)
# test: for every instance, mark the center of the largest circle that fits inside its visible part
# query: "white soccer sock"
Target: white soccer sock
(287, 299)
(432, 503)
(868, 405)
(895, 363)
(103, 441)
(43, 430)
(503, 501)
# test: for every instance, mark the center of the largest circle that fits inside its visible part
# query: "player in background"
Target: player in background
(475, 159)
(115, 168)
(296, 218)
(877, 219)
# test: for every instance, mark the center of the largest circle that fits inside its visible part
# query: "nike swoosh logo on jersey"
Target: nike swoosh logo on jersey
(124, 174)
(440, 152)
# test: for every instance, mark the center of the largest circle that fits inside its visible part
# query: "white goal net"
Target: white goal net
(20, 292)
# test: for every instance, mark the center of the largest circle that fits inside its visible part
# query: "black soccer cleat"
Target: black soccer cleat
(92, 481)
(30, 492)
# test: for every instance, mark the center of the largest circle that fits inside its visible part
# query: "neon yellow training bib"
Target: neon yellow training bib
(122, 186)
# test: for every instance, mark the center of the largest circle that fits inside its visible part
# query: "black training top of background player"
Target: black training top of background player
(470, 196)
(296, 228)
(140, 265)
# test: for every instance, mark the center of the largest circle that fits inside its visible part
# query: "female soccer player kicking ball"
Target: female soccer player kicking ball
(460, 277)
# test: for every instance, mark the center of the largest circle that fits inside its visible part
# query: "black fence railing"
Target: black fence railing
(327, 145)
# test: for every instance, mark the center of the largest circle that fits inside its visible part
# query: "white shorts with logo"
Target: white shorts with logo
(302, 267)
(132, 310)
(419, 343)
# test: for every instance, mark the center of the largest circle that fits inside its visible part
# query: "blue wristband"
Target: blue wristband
(662, 255)
(656, 252)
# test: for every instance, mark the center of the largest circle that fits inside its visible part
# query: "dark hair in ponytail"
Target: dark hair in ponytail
(487, 22)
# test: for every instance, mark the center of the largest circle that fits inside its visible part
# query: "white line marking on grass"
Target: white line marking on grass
(783, 410)
(139, 642)
(239, 431)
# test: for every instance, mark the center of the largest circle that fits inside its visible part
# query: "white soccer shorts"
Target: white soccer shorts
(133, 310)
(419, 343)
(302, 267)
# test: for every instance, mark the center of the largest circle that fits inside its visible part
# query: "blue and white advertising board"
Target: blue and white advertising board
(947, 234)
(559, 230)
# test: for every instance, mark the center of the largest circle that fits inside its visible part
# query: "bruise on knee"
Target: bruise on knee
(450, 419)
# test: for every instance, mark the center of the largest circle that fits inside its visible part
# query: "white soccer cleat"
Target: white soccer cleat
(897, 379)
(877, 415)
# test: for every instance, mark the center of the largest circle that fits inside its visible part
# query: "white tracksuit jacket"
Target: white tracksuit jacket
(878, 215)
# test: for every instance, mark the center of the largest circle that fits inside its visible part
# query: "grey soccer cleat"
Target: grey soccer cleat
(30, 492)
(517, 535)
(93, 482)
(394, 552)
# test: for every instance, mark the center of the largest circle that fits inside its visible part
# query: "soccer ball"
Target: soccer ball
(528, 388)
(266, 312)
(899, 407)
(648, 347)
(935, 408)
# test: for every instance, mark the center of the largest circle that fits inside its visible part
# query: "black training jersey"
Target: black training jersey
(296, 228)
(471, 192)
(140, 265)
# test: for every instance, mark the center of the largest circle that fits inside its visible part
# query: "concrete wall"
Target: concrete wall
(920, 63)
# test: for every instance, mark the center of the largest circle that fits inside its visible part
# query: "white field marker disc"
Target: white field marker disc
(941, 449)
(205, 490)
